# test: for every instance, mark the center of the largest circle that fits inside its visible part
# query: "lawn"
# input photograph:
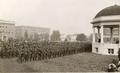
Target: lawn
(83, 62)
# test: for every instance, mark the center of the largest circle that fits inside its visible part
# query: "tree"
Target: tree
(90, 38)
(31, 37)
(81, 37)
(46, 37)
(68, 38)
(26, 35)
(55, 36)
(36, 37)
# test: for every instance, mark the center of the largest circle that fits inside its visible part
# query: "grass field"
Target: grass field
(83, 62)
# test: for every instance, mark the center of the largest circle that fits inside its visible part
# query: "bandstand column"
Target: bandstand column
(98, 32)
(111, 34)
(93, 34)
(102, 34)
(119, 35)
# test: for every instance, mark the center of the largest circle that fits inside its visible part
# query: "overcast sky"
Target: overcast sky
(68, 16)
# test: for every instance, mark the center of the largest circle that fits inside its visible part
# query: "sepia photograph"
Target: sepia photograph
(59, 36)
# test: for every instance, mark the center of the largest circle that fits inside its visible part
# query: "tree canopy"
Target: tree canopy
(81, 37)
(55, 36)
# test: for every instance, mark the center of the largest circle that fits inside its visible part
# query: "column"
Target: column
(98, 30)
(119, 35)
(102, 34)
(93, 34)
(111, 35)
(99, 36)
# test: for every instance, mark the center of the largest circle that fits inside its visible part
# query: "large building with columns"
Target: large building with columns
(8, 30)
(106, 31)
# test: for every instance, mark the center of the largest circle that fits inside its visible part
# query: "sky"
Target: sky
(67, 16)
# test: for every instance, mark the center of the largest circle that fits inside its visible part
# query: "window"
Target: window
(96, 49)
(106, 31)
(115, 31)
(116, 40)
(106, 39)
(110, 51)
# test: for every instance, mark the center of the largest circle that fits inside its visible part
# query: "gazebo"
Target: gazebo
(106, 31)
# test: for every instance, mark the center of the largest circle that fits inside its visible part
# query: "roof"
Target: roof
(112, 10)
(7, 22)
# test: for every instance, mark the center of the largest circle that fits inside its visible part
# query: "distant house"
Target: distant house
(63, 37)
(69, 37)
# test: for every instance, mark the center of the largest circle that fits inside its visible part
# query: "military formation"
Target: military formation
(33, 51)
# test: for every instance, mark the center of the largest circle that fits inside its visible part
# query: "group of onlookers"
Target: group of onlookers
(114, 66)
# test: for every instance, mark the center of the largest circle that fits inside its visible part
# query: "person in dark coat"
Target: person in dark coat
(112, 68)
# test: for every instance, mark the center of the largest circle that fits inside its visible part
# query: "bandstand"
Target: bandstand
(106, 31)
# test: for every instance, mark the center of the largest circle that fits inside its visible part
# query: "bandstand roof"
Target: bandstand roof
(112, 10)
